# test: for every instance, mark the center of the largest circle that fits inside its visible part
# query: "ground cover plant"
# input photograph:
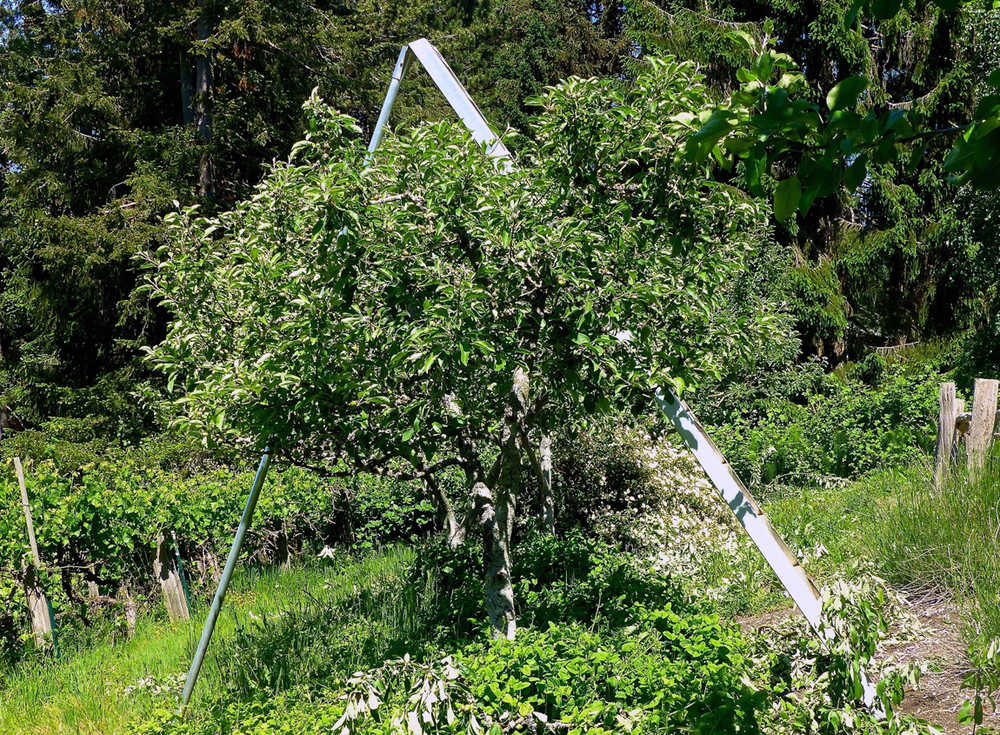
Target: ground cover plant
(114, 684)
(946, 539)
(809, 427)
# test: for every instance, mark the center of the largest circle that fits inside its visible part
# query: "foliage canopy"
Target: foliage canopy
(381, 310)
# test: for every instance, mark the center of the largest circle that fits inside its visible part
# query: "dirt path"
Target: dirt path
(939, 644)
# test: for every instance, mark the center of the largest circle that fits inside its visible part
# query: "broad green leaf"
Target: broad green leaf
(993, 80)
(852, 13)
(845, 93)
(786, 198)
(754, 167)
(856, 173)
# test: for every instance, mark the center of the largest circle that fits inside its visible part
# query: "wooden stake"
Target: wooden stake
(946, 432)
(545, 480)
(165, 570)
(962, 420)
(42, 625)
(35, 560)
(984, 411)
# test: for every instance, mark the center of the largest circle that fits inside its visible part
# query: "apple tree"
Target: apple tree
(429, 310)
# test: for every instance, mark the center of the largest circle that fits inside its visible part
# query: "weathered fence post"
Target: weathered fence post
(984, 411)
(947, 411)
(42, 624)
(165, 570)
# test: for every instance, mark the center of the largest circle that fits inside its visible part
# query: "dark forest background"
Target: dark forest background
(110, 112)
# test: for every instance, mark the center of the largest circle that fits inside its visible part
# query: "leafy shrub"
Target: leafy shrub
(454, 578)
(672, 671)
(576, 579)
(598, 472)
(845, 430)
(681, 674)
(628, 487)
(386, 510)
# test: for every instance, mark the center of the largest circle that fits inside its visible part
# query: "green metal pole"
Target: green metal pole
(227, 573)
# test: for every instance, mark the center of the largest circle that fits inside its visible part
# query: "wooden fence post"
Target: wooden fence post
(947, 411)
(984, 411)
(165, 570)
(42, 625)
(962, 419)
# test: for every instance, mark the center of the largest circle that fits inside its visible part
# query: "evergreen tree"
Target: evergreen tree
(109, 112)
(881, 264)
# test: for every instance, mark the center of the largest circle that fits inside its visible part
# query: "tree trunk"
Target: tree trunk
(446, 513)
(203, 100)
(187, 90)
(496, 558)
(495, 515)
(548, 505)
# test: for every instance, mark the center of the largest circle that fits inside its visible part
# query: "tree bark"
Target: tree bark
(446, 513)
(495, 515)
(187, 90)
(203, 100)
(496, 558)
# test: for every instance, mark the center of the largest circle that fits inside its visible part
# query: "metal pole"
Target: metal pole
(755, 522)
(383, 118)
(227, 573)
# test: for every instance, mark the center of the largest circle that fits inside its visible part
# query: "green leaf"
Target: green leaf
(993, 80)
(885, 9)
(856, 173)
(845, 93)
(754, 167)
(852, 13)
(786, 198)
(916, 155)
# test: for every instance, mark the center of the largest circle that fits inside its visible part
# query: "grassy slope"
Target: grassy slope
(893, 523)
(95, 690)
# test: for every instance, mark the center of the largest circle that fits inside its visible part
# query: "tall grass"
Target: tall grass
(946, 539)
(355, 620)
(110, 688)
